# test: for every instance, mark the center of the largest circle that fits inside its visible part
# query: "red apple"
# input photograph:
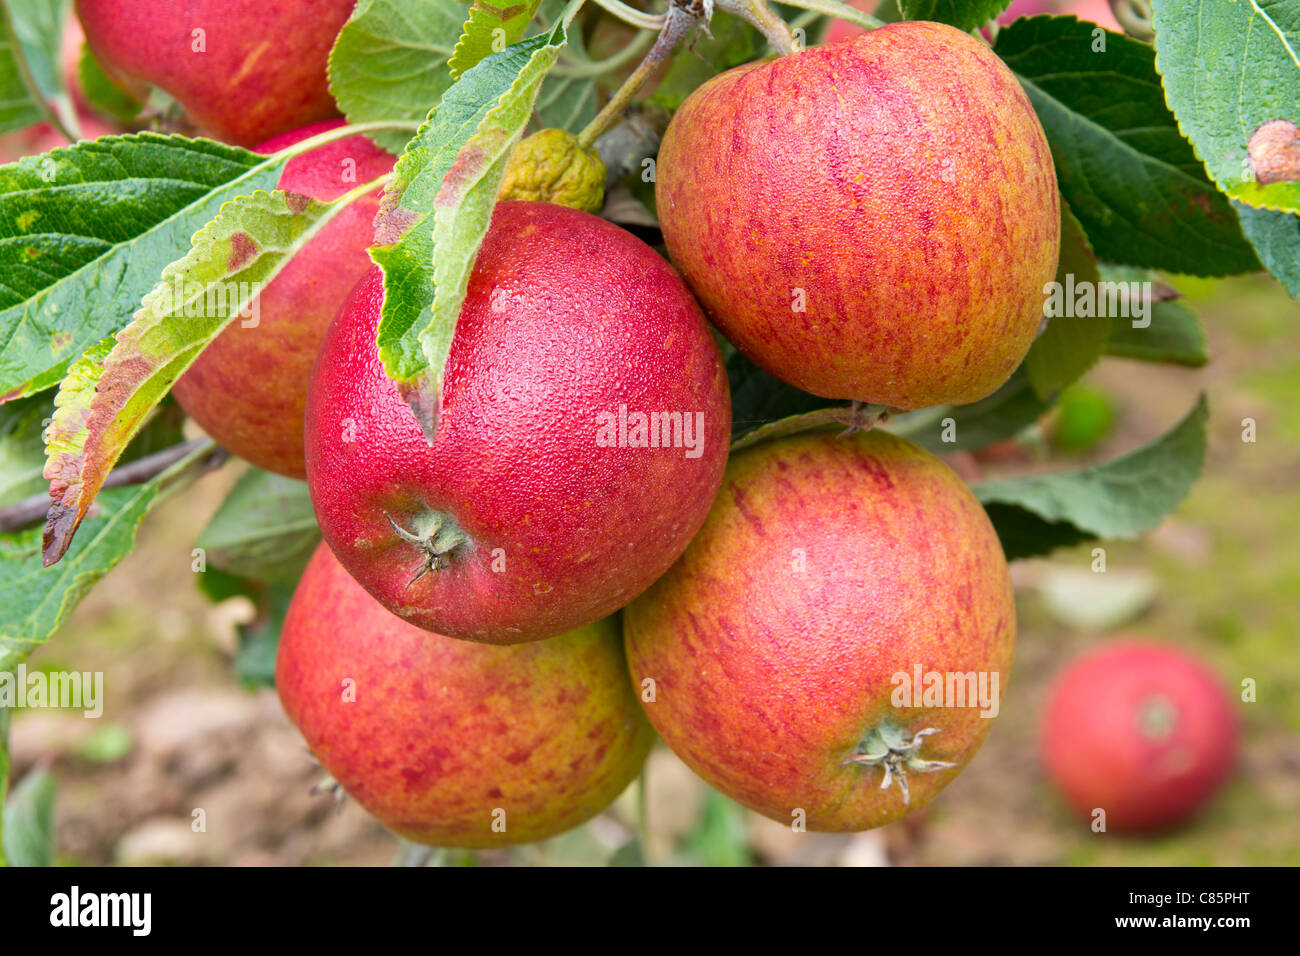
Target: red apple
(1141, 731)
(1098, 11)
(248, 388)
(842, 29)
(794, 651)
(545, 502)
(873, 220)
(451, 743)
(244, 70)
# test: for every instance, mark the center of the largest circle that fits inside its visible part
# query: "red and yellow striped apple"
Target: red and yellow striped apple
(873, 220)
(451, 743)
(792, 653)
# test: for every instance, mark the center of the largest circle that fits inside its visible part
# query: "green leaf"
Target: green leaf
(1229, 67)
(86, 230)
(29, 57)
(1071, 343)
(719, 837)
(567, 102)
(22, 448)
(39, 26)
(389, 61)
(260, 641)
(265, 529)
(1134, 183)
(105, 398)
(102, 93)
(29, 820)
(1175, 334)
(963, 14)
(1119, 499)
(488, 30)
(759, 399)
(1004, 414)
(564, 101)
(22, 455)
(1276, 238)
(35, 600)
(452, 169)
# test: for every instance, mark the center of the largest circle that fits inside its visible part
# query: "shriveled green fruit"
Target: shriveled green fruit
(245, 70)
(872, 220)
(792, 652)
(248, 388)
(452, 743)
(552, 166)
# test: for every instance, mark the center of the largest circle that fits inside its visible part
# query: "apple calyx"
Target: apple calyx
(436, 535)
(888, 745)
(329, 785)
(862, 417)
(1157, 717)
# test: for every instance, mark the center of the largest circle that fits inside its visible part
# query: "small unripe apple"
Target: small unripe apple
(584, 427)
(552, 166)
(248, 388)
(831, 649)
(1142, 731)
(244, 70)
(451, 743)
(873, 220)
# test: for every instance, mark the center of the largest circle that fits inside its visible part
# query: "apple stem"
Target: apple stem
(759, 15)
(1135, 17)
(678, 21)
(862, 417)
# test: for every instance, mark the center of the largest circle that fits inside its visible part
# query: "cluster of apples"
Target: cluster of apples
(871, 220)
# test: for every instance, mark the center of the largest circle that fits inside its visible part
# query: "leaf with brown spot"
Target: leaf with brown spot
(1134, 183)
(104, 401)
(1231, 74)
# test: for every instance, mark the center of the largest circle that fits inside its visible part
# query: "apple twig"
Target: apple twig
(680, 19)
(31, 510)
(760, 16)
(1135, 17)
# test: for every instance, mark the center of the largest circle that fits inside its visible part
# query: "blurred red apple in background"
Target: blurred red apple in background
(1141, 731)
